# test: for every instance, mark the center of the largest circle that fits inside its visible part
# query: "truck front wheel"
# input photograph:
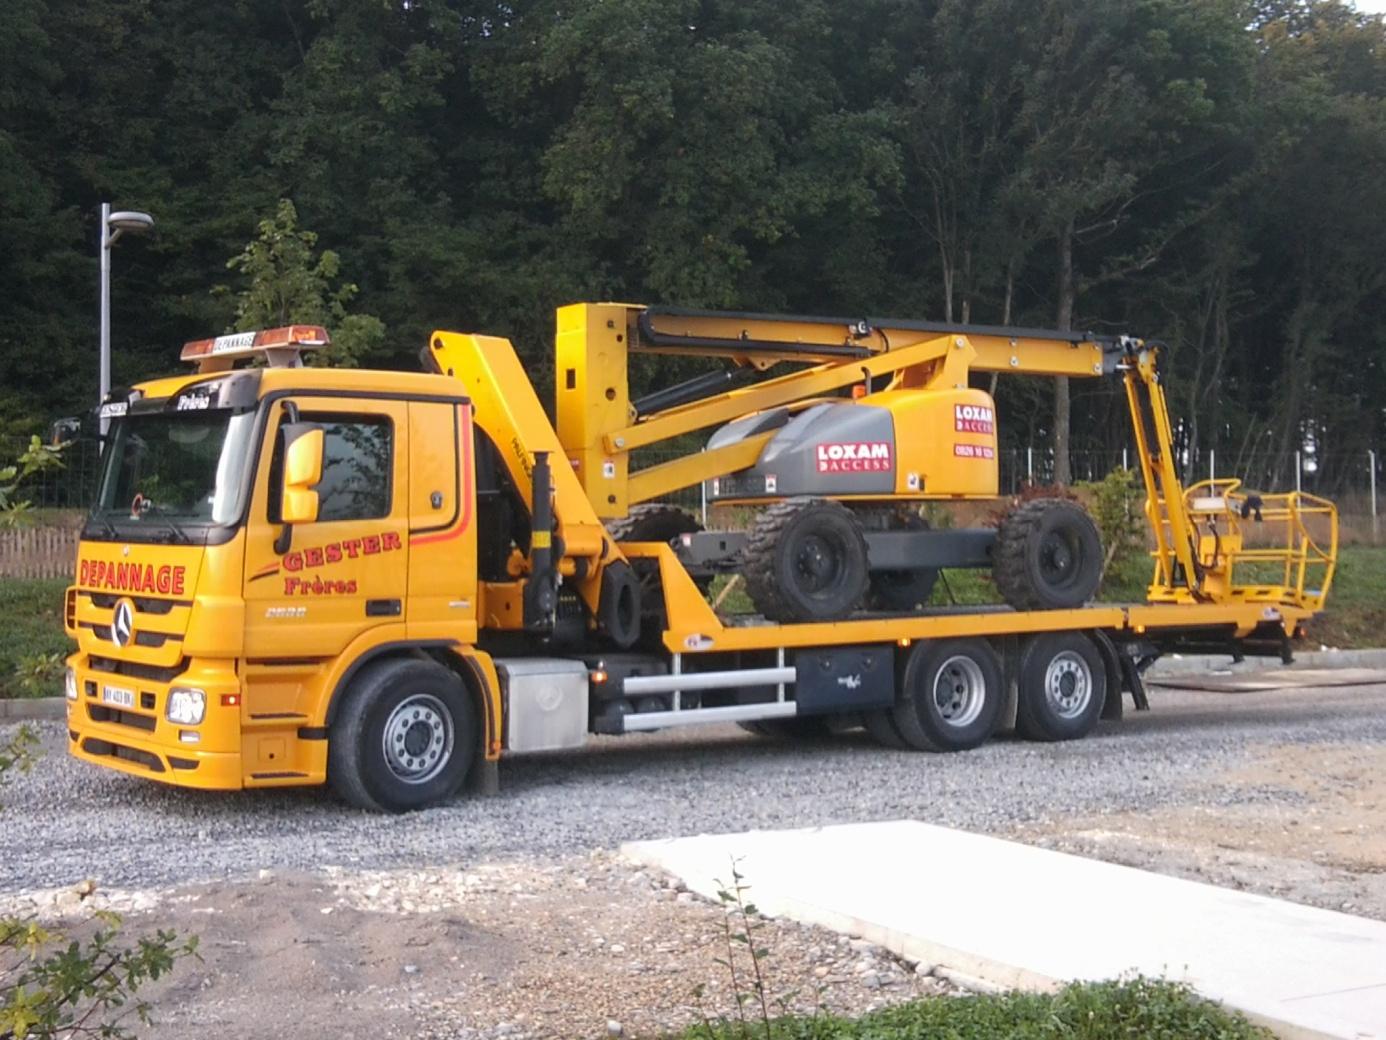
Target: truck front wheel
(404, 738)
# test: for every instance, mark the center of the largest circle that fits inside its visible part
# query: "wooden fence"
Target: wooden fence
(38, 552)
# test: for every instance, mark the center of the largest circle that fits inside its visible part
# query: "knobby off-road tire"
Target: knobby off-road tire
(1061, 687)
(1048, 556)
(653, 522)
(806, 561)
(404, 738)
(950, 696)
(903, 590)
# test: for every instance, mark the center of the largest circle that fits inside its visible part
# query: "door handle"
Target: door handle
(383, 608)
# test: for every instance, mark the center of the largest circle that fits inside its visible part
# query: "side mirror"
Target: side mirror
(303, 444)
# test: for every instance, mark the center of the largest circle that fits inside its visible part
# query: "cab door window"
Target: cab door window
(357, 461)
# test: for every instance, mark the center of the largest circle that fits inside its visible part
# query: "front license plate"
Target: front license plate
(119, 696)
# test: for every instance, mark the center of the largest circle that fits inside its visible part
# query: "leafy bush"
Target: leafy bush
(1140, 1008)
(1117, 505)
(37, 458)
(55, 986)
(32, 640)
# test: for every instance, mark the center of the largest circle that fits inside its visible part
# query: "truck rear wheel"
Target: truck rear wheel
(806, 561)
(1062, 685)
(950, 695)
(404, 737)
(796, 728)
(1048, 556)
(880, 725)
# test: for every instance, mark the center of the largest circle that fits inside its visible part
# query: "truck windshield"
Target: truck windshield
(166, 471)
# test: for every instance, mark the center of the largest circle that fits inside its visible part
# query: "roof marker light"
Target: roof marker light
(279, 347)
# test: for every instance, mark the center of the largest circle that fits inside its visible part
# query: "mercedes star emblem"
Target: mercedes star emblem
(123, 623)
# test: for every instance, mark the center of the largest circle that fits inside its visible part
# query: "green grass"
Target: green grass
(1356, 611)
(32, 641)
(1138, 1009)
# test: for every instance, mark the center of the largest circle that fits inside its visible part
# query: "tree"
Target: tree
(290, 284)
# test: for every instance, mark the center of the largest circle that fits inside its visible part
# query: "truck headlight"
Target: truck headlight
(186, 706)
(70, 683)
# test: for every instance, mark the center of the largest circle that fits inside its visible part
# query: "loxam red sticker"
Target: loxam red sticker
(853, 457)
(974, 451)
(973, 418)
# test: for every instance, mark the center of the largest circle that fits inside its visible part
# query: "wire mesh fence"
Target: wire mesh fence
(1350, 480)
(71, 486)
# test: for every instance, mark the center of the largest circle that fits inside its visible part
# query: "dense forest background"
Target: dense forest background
(1211, 173)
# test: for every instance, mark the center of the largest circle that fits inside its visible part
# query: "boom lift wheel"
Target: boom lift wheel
(806, 561)
(902, 590)
(1048, 556)
(404, 737)
(653, 522)
(1062, 685)
(950, 695)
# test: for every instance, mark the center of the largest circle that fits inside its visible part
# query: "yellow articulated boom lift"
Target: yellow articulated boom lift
(387, 580)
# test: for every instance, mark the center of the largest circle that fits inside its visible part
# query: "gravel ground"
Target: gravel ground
(510, 918)
(67, 821)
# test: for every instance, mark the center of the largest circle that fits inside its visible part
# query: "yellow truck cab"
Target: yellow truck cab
(216, 641)
(293, 575)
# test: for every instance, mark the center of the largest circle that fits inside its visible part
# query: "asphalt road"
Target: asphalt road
(66, 821)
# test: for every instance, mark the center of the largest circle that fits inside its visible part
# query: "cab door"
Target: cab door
(347, 572)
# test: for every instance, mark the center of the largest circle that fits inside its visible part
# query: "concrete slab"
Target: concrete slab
(1271, 679)
(1018, 916)
(26, 709)
(1181, 664)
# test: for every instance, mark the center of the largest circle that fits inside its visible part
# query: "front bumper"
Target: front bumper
(138, 739)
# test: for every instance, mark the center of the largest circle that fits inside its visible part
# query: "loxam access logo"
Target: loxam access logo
(853, 457)
(973, 418)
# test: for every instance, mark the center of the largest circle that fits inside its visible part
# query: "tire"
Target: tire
(1048, 556)
(903, 590)
(796, 728)
(426, 718)
(880, 725)
(652, 522)
(951, 695)
(1061, 687)
(806, 561)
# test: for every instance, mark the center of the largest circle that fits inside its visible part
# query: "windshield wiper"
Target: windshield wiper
(173, 529)
(107, 528)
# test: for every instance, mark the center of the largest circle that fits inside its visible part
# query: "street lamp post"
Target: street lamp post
(113, 225)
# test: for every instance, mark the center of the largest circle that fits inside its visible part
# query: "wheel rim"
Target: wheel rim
(960, 690)
(818, 565)
(1068, 684)
(418, 738)
(1060, 558)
